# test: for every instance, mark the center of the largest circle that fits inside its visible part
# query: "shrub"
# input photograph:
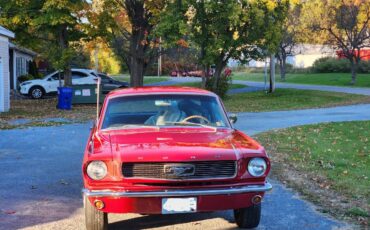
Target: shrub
(334, 65)
(25, 77)
(223, 85)
(364, 67)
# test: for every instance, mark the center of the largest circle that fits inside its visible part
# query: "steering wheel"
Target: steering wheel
(196, 116)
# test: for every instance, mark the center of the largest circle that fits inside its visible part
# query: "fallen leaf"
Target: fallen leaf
(63, 182)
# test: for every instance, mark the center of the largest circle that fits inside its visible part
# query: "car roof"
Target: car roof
(74, 69)
(158, 90)
(85, 70)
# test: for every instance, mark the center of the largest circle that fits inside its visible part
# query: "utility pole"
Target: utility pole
(160, 58)
(272, 73)
(96, 52)
(265, 74)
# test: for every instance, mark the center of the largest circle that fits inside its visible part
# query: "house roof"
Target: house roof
(6, 33)
(22, 49)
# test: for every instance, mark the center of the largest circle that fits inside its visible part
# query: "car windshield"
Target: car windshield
(163, 110)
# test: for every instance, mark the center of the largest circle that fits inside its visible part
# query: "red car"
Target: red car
(165, 150)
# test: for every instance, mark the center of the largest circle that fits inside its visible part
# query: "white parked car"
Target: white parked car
(49, 84)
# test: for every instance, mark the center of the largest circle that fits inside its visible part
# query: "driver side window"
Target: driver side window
(78, 75)
(55, 77)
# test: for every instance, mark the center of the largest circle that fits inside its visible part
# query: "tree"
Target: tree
(234, 29)
(346, 23)
(289, 38)
(134, 27)
(51, 27)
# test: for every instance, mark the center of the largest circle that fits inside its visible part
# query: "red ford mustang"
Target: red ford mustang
(165, 150)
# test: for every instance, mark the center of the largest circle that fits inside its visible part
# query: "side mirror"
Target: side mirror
(49, 79)
(233, 118)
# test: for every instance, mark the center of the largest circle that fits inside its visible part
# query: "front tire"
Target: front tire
(248, 217)
(36, 92)
(94, 219)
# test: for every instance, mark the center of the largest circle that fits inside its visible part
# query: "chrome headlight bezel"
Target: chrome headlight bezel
(97, 170)
(257, 167)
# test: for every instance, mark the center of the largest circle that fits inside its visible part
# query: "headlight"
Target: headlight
(257, 167)
(25, 83)
(96, 170)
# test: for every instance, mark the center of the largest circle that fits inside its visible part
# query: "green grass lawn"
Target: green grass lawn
(337, 79)
(147, 79)
(288, 99)
(198, 85)
(333, 156)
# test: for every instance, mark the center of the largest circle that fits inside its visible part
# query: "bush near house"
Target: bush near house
(334, 65)
(223, 85)
(27, 77)
(33, 73)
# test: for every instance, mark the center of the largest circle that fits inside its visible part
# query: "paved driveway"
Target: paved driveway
(41, 180)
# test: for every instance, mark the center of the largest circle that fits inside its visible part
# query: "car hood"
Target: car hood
(35, 81)
(180, 145)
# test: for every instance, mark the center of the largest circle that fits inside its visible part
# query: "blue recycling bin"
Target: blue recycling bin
(64, 98)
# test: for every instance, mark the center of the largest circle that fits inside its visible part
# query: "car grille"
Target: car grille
(181, 171)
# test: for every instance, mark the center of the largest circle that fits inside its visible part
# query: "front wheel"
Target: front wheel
(36, 92)
(94, 219)
(248, 217)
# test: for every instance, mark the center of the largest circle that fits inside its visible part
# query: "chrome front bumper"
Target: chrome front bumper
(172, 193)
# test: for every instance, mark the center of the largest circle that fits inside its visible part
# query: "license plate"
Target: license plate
(179, 205)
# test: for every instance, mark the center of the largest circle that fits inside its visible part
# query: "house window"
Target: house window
(21, 66)
(27, 66)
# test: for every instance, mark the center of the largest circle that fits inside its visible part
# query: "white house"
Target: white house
(19, 58)
(4, 69)
(304, 55)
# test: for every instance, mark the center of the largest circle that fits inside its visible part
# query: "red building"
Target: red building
(364, 54)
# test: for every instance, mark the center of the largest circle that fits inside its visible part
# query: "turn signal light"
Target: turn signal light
(256, 199)
(99, 204)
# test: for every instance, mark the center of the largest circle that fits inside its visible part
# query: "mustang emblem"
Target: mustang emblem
(179, 170)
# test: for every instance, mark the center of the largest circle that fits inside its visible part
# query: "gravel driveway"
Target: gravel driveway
(41, 180)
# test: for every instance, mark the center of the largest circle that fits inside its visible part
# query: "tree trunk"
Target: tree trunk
(283, 67)
(136, 73)
(136, 59)
(353, 71)
(272, 74)
(204, 76)
(67, 75)
(138, 56)
(64, 45)
(218, 71)
(282, 63)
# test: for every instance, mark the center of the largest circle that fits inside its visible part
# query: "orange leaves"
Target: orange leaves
(181, 42)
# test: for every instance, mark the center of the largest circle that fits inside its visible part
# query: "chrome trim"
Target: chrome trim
(171, 193)
(182, 179)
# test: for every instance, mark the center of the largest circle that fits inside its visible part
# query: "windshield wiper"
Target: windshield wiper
(132, 126)
(192, 124)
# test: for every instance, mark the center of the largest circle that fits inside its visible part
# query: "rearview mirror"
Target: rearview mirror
(233, 118)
